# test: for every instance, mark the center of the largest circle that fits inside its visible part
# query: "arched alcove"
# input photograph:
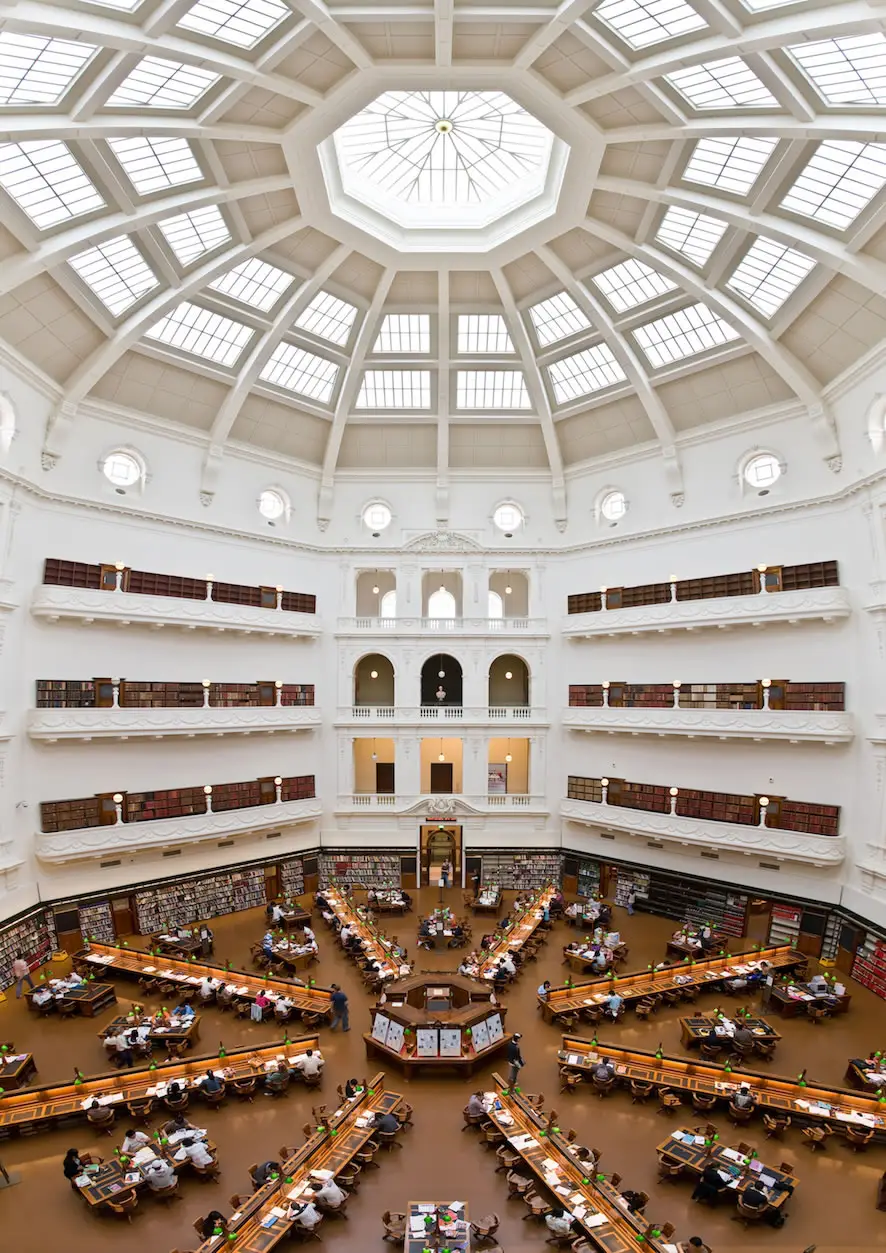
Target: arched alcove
(508, 682)
(441, 674)
(374, 681)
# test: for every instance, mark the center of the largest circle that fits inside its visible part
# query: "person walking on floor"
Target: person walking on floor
(21, 972)
(445, 872)
(632, 899)
(515, 1059)
(339, 1009)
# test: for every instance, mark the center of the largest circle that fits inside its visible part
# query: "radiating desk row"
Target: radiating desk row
(375, 946)
(523, 929)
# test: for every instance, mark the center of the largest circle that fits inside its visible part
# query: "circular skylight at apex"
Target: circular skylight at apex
(444, 159)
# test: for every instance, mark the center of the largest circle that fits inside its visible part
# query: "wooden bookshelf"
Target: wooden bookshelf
(156, 694)
(520, 871)
(97, 922)
(733, 695)
(178, 904)
(348, 869)
(65, 694)
(33, 936)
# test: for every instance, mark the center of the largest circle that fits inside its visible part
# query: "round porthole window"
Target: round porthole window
(508, 518)
(613, 506)
(762, 471)
(122, 469)
(271, 505)
(377, 517)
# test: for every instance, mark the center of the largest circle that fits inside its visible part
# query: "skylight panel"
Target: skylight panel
(255, 283)
(557, 318)
(491, 389)
(155, 162)
(846, 71)
(296, 370)
(643, 22)
(727, 84)
(327, 317)
(631, 283)
(127, 6)
(159, 84)
(760, 6)
(695, 235)
(116, 271)
(191, 234)
(730, 163)
(404, 332)
(683, 334)
(43, 178)
(395, 389)
(588, 371)
(240, 22)
(201, 333)
(840, 178)
(36, 70)
(483, 332)
(769, 273)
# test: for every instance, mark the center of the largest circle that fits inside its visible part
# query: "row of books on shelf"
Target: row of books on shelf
(32, 937)
(188, 901)
(521, 871)
(371, 870)
(138, 694)
(738, 695)
(97, 922)
(292, 877)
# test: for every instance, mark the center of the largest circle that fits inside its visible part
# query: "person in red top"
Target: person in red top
(259, 1005)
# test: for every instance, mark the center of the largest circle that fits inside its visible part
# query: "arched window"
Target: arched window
(388, 607)
(496, 605)
(441, 604)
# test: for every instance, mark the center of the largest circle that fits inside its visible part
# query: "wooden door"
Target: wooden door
(408, 876)
(104, 693)
(272, 883)
(569, 878)
(267, 693)
(312, 874)
(67, 927)
(384, 777)
(851, 937)
(123, 914)
(441, 776)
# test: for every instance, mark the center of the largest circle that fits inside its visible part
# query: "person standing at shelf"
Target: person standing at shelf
(476, 882)
(206, 941)
(515, 1059)
(339, 1009)
(21, 973)
(632, 899)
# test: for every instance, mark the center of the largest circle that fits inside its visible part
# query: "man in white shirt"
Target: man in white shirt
(197, 1151)
(330, 1195)
(345, 934)
(133, 1141)
(160, 1175)
(508, 962)
(558, 1222)
(309, 1063)
(276, 914)
(309, 935)
(305, 1215)
(207, 988)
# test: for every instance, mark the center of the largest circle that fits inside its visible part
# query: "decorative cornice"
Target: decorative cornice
(51, 725)
(770, 842)
(132, 837)
(443, 542)
(795, 726)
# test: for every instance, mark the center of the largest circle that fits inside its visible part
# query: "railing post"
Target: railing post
(115, 689)
(604, 785)
(207, 792)
(605, 686)
(278, 786)
(118, 808)
(207, 683)
(210, 580)
(278, 691)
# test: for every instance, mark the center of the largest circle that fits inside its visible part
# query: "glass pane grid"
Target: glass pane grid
(116, 271)
(254, 283)
(404, 332)
(202, 333)
(846, 71)
(483, 332)
(158, 84)
(588, 371)
(327, 317)
(43, 178)
(491, 389)
(240, 22)
(683, 334)
(839, 180)
(695, 235)
(36, 70)
(643, 22)
(726, 84)
(156, 162)
(769, 273)
(191, 234)
(731, 163)
(631, 283)
(557, 318)
(297, 370)
(395, 389)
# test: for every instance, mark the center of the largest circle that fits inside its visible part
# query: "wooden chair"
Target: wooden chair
(669, 1169)
(703, 1101)
(66, 1009)
(244, 1088)
(507, 1157)
(748, 1214)
(214, 1099)
(641, 1091)
(765, 1049)
(603, 1086)
(492, 1136)
(858, 1139)
(102, 1119)
(123, 1205)
(710, 1052)
(738, 1117)
(395, 1227)
(816, 1136)
(167, 1194)
(535, 1099)
(740, 1053)
(486, 1227)
(817, 1013)
(518, 1183)
(404, 1113)
(536, 1205)
(388, 1140)
(472, 1120)
(365, 1155)
(238, 1201)
(787, 1168)
(175, 1105)
(139, 1109)
(285, 1152)
(303, 1233)
(776, 1125)
(570, 1079)
(641, 1203)
(643, 1009)
(349, 1177)
(668, 1101)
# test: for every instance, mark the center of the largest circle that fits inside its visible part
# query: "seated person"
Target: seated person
(386, 1122)
(694, 1244)
(259, 1005)
(41, 996)
(283, 1007)
(635, 1200)
(353, 1088)
(737, 985)
(543, 989)
(277, 1080)
(99, 1114)
(329, 1195)
(559, 1223)
(507, 962)
(710, 1184)
(743, 1098)
(74, 1164)
(753, 1198)
(304, 1214)
(600, 962)
(267, 944)
(505, 923)
(310, 1063)
(212, 1084)
(713, 1039)
(277, 914)
(196, 1150)
(743, 1035)
(487, 942)
(465, 967)
(175, 1091)
(500, 976)
(603, 1071)
(133, 1141)
(184, 1011)
(160, 1174)
(309, 934)
(178, 1123)
(265, 1172)
(207, 988)
(585, 1156)
(613, 1005)
(162, 1017)
(214, 1224)
(475, 1106)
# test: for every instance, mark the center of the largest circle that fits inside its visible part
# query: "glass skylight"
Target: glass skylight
(643, 22)
(202, 333)
(155, 162)
(395, 389)
(128, 6)
(491, 389)
(404, 332)
(557, 318)
(588, 371)
(727, 84)
(768, 273)
(695, 235)
(116, 271)
(191, 234)
(240, 22)
(846, 71)
(43, 178)
(683, 334)
(417, 156)
(631, 283)
(327, 317)
(304, 373)
(731, 163)
(841, 177)
(158, 84)
(255, 283)
(36, 70)
(483, 332)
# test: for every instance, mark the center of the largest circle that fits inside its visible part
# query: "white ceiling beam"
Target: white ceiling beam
(537, 394)
(56, 248)
(718, 17)
(444, 398)
(869, 128)
(317, 12)
(17, 127)
(785, 90)
(866, 270)
(443, 23)
(602, 47)
(779, 30)
(290, 41)
(30, 17)
(548, 33)
(165, 16)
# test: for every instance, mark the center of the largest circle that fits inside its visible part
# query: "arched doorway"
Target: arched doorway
(374, 681)
(441, 681)
(508, 682)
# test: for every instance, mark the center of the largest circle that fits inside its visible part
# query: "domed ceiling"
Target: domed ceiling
(440, 235)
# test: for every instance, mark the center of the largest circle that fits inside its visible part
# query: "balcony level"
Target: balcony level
(52, 725)
(791, 726)
(440, 805)
(437, 715)
(525, 628)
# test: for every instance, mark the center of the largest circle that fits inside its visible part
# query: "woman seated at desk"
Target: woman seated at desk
(304, 1214)
(277, 1080)
(162, 1018)
(214, 1224)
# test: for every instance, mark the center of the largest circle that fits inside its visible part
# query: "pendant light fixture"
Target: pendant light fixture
(441, 756)
(375, 587)
(508, 757)
(374, 753)
(508, 588)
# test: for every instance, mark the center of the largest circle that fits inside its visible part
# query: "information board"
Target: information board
(450, 1042)
(427, 1042)
(480, 1036)
(495, 1028)
(380, 1028)
(395, 1036)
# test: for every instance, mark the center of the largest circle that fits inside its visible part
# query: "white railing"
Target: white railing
(51, 725)
(513, 801)
(454, 626)
(473, 714)
(374, 713)
(794, 726)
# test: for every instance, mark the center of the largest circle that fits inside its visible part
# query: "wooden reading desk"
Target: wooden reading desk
(608, 1226)
(321, 1152)
(386, 901)
(522, 930)
(791, 1006)
(808, 1104)
(709, 974)
(88, 1001)
(16, 1070)
(683, 1146)
(696, 1029)
(133, 964)
(860, 1072)
(375, 946)
(487, 901)
(294, 917)
(450, 1228)
(188, 1035)
(177, 946)
(37, 1109)
(283, 952)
